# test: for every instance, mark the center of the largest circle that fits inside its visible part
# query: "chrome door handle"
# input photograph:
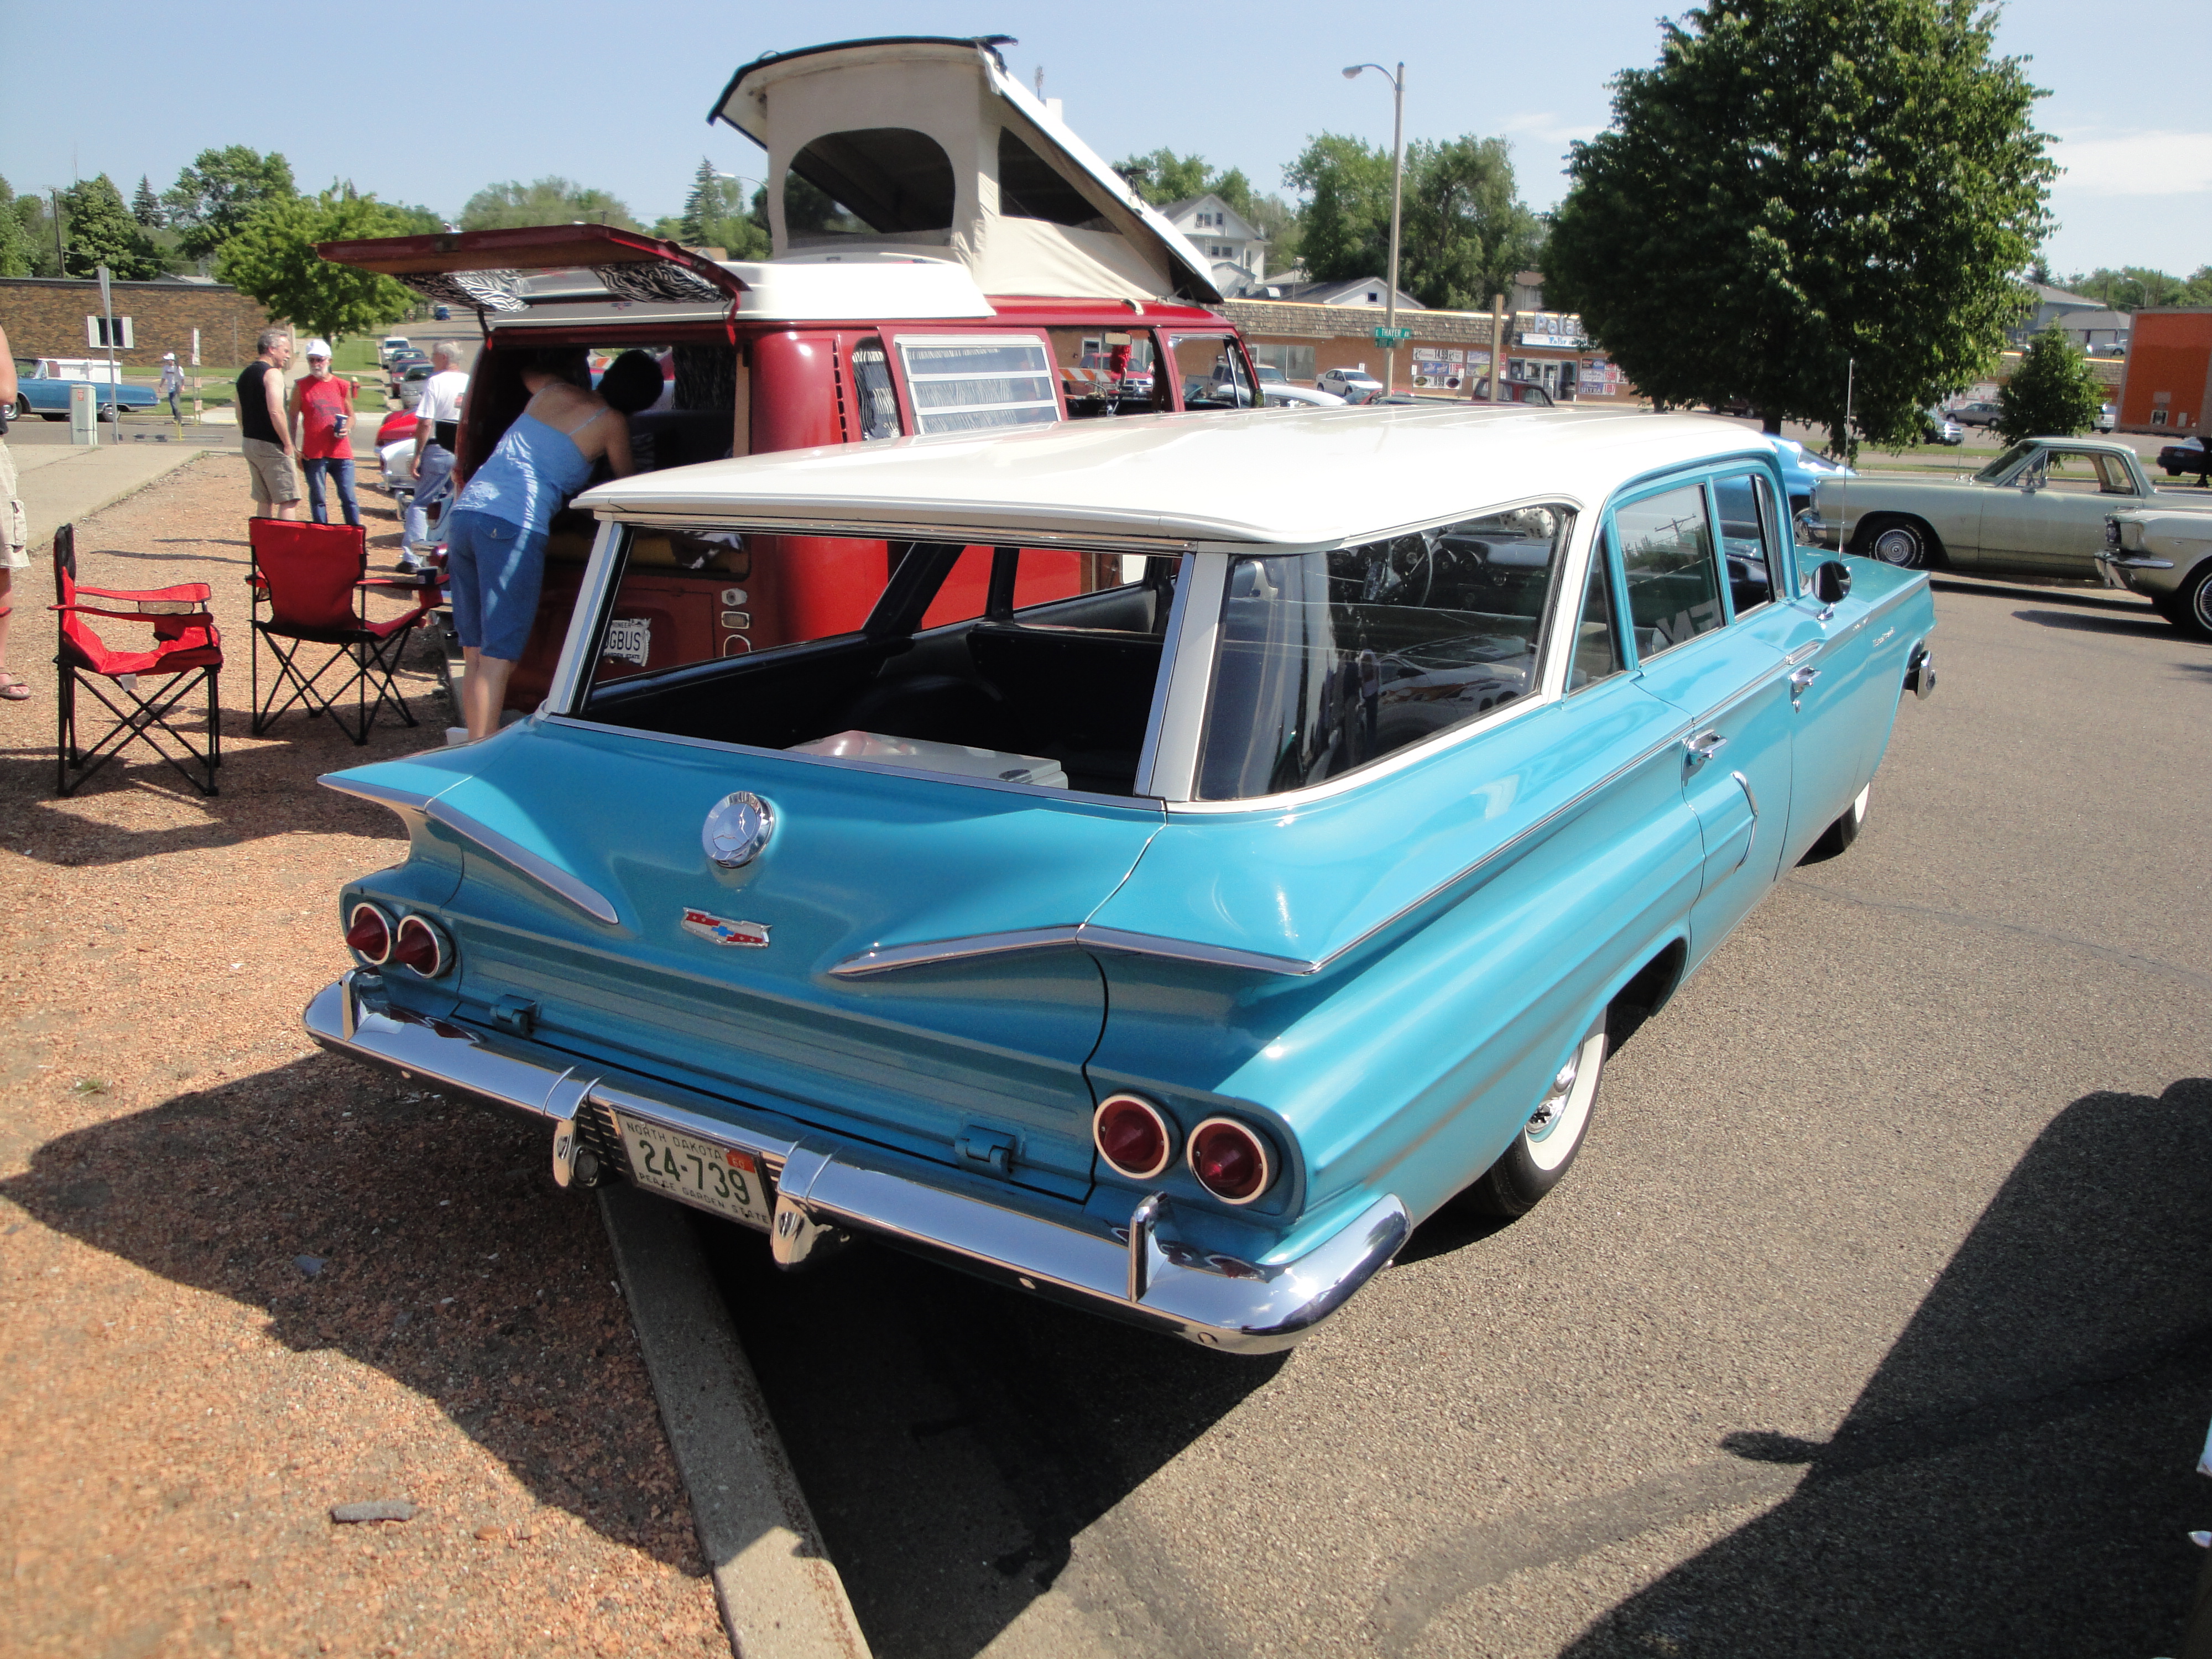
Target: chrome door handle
(1802, 679)
(1703, 746)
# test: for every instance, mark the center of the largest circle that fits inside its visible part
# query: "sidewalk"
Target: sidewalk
(62, 485)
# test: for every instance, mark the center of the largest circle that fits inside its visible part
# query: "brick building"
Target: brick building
(1448, 354)
(44, 317)
(2169, 382)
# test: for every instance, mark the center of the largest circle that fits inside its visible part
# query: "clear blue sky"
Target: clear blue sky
(428, 104)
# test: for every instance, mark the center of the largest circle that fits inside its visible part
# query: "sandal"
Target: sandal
(13, 690)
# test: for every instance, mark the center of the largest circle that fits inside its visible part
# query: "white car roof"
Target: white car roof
(1284, 478)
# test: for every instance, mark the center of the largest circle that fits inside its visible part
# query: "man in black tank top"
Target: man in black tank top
(264, 432)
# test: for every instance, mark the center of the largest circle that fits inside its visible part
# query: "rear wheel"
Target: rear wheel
(1841, 833)
(1541, 1155)
(1906, 543)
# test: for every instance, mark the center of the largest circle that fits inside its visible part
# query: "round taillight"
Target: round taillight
(1131, 1136)
(422, 948)
(1231, 1161)
(368, 934)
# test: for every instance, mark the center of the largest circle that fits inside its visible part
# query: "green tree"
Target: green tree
(1464, 231)
(715, 215)
(35, 221)
(2197, 290)
(2131, 288)
(15, 257)
(1804, 193)
(101, 231)
(548, 201)
(2053, 393)
(1163, 176)
(214, 197)
(145, 206)
(273, 258)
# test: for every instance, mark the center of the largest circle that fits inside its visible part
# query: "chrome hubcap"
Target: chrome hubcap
(1897, 547)
(1548, 1110)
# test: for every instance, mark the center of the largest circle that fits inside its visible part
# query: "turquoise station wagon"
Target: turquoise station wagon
(1179, 855)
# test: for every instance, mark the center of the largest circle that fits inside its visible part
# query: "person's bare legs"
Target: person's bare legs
(482, 690)
(7, 584)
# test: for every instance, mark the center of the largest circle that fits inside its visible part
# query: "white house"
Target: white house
(1220, 234)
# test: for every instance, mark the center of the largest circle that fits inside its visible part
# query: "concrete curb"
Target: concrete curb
(780, 1594)
(56, 495)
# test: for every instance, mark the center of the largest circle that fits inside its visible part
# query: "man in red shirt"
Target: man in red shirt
(322, 407)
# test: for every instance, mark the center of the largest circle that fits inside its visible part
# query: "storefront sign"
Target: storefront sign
(1549, 328)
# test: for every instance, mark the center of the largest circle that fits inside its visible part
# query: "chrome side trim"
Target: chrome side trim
(545, 873)
(1210, 1299)
(890, 958)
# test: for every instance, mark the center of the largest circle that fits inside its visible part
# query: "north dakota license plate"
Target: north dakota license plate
(718, 1178)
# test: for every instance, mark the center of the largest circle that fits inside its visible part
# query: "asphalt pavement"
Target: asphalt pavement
(1873, 1320)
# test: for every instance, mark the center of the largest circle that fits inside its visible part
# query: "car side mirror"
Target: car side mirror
(1832, 581)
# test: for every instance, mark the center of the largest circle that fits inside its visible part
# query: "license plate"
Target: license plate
(722, 1179)
(630, 638)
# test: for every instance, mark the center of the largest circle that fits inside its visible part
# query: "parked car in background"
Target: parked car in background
(395, 451)
(2037, 509)
(390, 347)
(441, 313)
(2107, 418)
(1238, 878)
(1516, 392)
(1281, 394)
(1976, 414)
(1354, 386)
(1936, 428)
(408, 386)
(2189, 455)
(42, 388)
(2165, 554)
(1802, 468)
(1268, 375)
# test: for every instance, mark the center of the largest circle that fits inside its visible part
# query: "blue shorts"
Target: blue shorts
(496, 568)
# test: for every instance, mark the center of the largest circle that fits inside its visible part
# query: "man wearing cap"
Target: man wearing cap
(264, 433)
(322, 404)
(172, 385)
(437, 431)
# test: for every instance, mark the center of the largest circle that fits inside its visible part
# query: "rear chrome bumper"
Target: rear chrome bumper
(1140, 1272)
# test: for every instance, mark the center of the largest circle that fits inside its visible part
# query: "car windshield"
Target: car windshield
(1329, 661)
(1021, 664)
(2004, 464)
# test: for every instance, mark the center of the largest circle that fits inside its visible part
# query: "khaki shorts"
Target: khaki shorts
(15, 528)
(275, 480)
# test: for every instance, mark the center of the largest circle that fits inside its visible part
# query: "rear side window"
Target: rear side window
(973, 384)
(1666, 548)
(1328, 661)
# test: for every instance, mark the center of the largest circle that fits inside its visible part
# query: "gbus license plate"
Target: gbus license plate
(630, 638)
(718, 1178)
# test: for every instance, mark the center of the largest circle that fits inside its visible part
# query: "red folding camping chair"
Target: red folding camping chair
(311, 578)
(186, 649)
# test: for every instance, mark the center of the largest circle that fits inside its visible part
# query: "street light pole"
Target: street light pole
(1397, 192)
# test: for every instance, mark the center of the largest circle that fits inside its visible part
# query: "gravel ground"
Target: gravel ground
(243, 1281)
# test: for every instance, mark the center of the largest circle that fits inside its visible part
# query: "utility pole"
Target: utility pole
(61, 254)
(1397, 192)
(1497, 348)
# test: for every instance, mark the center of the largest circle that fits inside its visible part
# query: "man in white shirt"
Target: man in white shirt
(437, 429)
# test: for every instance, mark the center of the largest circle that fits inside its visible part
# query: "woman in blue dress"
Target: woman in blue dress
(496, 532)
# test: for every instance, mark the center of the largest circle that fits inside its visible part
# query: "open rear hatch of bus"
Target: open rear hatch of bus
(483, 269)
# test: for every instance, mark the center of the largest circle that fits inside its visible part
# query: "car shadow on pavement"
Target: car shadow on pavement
(420, 1235)
(2016, 1478)
(953, 1438)
(2146, 623)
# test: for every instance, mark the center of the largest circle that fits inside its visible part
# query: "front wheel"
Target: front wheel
(1541, 1155)
(1901, 542)
(1838, 836)
(2190, 608)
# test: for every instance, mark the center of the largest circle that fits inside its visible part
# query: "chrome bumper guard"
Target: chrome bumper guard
(1140, 1272)
(2112, 566)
